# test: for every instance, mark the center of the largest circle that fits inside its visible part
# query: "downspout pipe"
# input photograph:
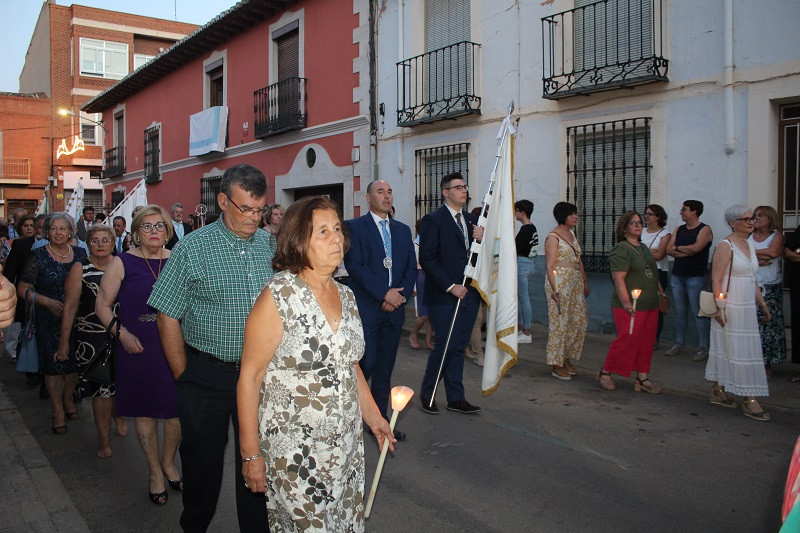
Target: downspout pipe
(730, 136)
(373, 90)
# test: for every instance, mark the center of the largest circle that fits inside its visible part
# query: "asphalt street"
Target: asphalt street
(544, 455)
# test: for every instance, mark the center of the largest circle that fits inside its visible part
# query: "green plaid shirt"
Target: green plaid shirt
(210, 283)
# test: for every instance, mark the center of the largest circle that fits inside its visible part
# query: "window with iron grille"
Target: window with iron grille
(608, 173)
(430, 166)
(210, 187)
(152, 154)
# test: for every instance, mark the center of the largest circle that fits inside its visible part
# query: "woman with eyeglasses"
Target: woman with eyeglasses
(633, 268)
(656, 237)
(566, 287)
(146, 388)
(768, 243)
(735, 363)
(83, 282)
(45, 272)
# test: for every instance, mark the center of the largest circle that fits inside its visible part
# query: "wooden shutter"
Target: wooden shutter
(288, 55)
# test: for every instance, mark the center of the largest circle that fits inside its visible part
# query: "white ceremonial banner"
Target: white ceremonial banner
(494, 273)
(75, 204)
(135, 198)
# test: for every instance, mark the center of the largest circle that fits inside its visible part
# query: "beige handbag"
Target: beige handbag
(708, 304)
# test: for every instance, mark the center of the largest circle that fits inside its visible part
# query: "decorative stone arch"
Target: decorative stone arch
(323, 173)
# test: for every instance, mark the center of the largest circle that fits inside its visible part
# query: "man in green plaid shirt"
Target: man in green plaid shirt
(203, 297)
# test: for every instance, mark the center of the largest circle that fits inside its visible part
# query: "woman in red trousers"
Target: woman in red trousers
(634, 306)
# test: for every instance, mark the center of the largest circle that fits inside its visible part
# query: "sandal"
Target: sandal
(720, 397)
(570, 368)
(795, 378)
(158, 498)
(606, 383)
(73, 415)
(175, 484)
(645, 385)
(60, 430)
(747, 409)
(560, 372)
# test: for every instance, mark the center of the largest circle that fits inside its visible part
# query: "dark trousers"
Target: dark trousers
(441, 317)
(206, 405)
(663, 279)
(382, 339)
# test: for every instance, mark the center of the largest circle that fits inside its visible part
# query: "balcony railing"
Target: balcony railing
(280, 107)
(439, 84)
(115, 162)
(15, 169)
(603, 46)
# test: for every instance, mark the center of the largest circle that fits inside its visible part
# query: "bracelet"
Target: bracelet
(251, 458)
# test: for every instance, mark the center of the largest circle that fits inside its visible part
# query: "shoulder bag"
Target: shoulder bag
(28, 358)
(708, 303)
(101, 368)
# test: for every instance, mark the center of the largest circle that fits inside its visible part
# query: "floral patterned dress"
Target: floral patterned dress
(309, 418)
(567, 329)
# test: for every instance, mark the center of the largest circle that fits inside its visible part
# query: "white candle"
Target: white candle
(555, 290)
(635, 293)
(722, 303)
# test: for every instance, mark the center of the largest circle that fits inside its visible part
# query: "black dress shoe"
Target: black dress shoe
(429, 408)
(463, 406)
(399, 435)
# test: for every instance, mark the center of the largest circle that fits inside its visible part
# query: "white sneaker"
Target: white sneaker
(523, 339)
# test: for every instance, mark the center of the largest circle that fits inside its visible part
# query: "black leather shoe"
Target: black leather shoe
(427, 407)
(463, 406)
(399, 435)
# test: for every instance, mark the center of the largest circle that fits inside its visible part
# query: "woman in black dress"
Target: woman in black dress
(44, 273)
(792, 255)
(89, 336)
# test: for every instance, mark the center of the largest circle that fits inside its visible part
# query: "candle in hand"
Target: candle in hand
(555, 281)
(635, 293)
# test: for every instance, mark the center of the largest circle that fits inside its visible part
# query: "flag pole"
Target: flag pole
(473, 252)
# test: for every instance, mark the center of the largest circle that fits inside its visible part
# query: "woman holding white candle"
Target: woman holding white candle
(566, 287)
(739, 369)
(634, 306)
(301, 396)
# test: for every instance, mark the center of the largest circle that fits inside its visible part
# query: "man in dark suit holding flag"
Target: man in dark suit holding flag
(382, 267)
(445, 239)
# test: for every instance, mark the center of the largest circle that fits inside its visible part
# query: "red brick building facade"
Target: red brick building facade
(75, 53)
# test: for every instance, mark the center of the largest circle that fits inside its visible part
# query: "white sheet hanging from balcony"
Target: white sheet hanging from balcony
(207, 130)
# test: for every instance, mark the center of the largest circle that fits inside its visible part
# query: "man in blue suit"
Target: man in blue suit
(382, 267)
(445, 238)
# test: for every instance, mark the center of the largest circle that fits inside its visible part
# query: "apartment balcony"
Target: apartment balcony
(437, 85)
(280, 107)
(603, 46)
(15, 171)
(115, 162)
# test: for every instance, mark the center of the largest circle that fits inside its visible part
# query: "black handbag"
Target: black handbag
(101, 368)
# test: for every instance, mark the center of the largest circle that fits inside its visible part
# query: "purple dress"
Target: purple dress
(145, 386)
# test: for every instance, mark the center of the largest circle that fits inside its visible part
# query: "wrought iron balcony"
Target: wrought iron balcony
(280, 107)
(603, 46)
(439, 84)
(15, 170)
(115, 162)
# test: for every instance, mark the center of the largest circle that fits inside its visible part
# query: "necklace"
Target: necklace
(321, 302)
(58, 254)
(160, 257)
(647, 271)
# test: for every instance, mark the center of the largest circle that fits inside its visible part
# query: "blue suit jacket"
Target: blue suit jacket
(442, 254)
(369, 279)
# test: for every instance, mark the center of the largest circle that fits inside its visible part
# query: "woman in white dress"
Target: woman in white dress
(656, 237)
(735, 362)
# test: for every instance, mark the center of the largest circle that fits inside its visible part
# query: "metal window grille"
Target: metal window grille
(151, 155)
(430, 166)
(210, 187)
(608, 173)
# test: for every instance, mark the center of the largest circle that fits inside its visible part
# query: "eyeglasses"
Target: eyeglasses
(158, 226)
(104, 240)
(746, 219)
(249, 211)
(648, 214)
(635, 223)
(458, 187)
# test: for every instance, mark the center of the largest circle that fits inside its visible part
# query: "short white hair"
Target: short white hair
(734, 212)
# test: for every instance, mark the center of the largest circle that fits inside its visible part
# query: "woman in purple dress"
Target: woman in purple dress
(146, 389)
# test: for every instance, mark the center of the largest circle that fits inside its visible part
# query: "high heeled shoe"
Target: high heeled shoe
(720, 397)
(645, 385)
(606, 383)
(747, 409)
(174, 484)
(158, 498)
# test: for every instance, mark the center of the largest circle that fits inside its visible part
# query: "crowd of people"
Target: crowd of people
(241, 320)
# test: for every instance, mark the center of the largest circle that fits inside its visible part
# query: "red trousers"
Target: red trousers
(632, 352)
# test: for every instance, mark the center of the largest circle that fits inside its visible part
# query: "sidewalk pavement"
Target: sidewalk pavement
(35, 499)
